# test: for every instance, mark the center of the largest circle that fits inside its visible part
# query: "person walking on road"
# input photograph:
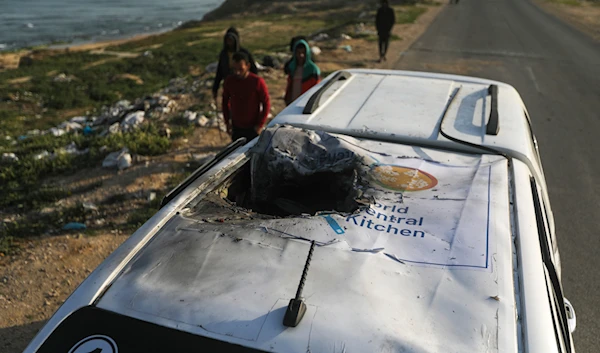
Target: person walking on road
(384, 22)
(246, 102)
(231, 45)
(303, 73)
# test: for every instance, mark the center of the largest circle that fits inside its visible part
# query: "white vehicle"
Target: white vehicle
(383, 211)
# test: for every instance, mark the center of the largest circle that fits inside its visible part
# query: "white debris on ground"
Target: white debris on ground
(132, 121)
(202, 121)
(315, 50)
(320, 37)
(9, 157)
(189, 116)
(57, 132)
(70, 126)
(42, 155)
(361, 29)
(120, 159)
(124, 161)
(345, 36)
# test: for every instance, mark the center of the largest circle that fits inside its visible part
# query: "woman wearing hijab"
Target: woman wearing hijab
(303, 72)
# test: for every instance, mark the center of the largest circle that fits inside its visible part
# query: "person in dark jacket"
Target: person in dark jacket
(384, 22)
(231, 45)
(303, 72)
(286, 68)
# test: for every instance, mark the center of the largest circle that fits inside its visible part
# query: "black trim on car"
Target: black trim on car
(551, 270)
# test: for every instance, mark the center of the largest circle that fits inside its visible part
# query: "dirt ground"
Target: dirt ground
(585, 17)
(34, 283)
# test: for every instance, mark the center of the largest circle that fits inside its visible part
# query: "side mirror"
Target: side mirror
(571, 317)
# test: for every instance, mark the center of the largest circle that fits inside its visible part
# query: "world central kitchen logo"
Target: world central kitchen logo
(395, 219)
(398, 178)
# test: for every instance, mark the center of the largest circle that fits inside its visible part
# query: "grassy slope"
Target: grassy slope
(174, 54)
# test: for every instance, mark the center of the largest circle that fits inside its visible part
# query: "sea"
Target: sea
(30, 23)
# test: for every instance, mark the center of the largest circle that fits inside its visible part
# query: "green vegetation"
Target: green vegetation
(409, 14)
(21, 181)
(31, 97)
(567, 2)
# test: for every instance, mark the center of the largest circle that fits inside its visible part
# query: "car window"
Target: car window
(555, 293)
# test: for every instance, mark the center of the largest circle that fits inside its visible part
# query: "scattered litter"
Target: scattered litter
(148, 54)
(189, 116)
(89, 206)
(124, 161)
(72, 149)
(79, 119)
(315, 50)
(87, 131)
(42, 155)
(74, 226)
(125, 104)
(114, 128)
(63, 78)
(345, 36)
(212, 67)
(260, 67)
(112, 159)
(22, 137)
(152, 196)
(34, 132)
(320, 37)
(496, 298)
(69, 126)
(133, 120)
(57, 132)
(202, 121)
(9, 157)
(360, 29)
(346, 48)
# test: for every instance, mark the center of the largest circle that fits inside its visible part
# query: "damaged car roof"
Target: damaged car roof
(425, 266)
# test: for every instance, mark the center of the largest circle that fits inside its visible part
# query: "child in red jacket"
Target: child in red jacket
(303, 72)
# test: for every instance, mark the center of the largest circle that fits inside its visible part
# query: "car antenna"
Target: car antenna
(296, 308)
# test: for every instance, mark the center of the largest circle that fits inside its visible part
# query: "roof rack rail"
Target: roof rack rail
(203, 169)
(492, 127)
(313, 102)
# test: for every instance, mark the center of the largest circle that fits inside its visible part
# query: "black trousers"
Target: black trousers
(384, 43)
(237, 133)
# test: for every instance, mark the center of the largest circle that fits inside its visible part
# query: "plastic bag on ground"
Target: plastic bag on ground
(133, 120)
(112, 159)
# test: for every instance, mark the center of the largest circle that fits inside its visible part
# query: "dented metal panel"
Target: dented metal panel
(447, 289)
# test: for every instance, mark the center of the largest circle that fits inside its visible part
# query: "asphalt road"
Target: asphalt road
(556, 69)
